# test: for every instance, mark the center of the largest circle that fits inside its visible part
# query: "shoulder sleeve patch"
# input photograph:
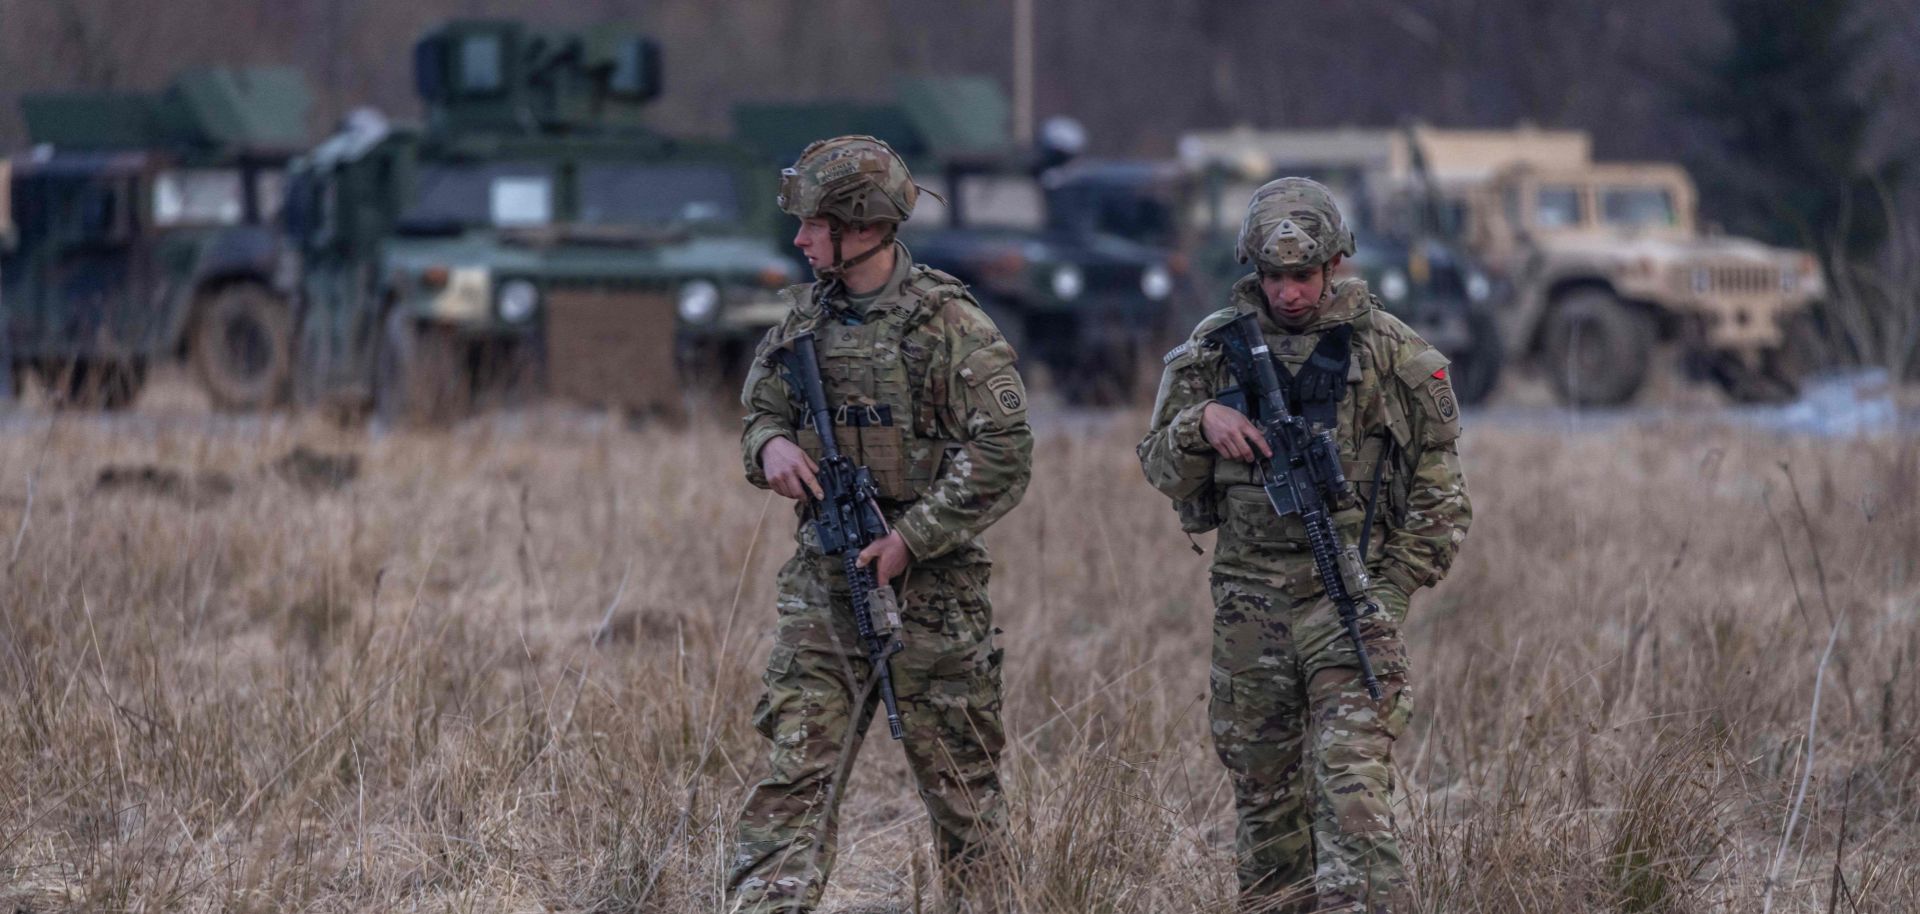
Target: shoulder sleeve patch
(991, 380)
(1418, 370)
(1425, 376)
(1177, 352)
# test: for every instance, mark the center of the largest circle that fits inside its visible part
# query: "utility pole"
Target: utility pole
(1023, 72)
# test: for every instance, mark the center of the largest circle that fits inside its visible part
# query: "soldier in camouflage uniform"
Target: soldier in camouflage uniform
(1309, 753)
(925, 394)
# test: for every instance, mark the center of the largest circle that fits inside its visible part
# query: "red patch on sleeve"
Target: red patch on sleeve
(1441, 374)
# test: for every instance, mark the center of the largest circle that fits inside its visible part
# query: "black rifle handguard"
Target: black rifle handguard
(847, 519)
(1303, 477)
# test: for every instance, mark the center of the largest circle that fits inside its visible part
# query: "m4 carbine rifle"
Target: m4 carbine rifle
(847, 519)
(1303, 477)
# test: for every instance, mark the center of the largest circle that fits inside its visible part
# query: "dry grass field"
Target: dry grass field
(510, 667)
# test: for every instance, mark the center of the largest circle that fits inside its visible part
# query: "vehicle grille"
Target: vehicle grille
(1120, 278)
(1728, 279)
(612, 347)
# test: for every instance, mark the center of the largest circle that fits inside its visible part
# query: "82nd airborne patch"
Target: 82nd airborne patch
(1441, 390)
(1006, 393)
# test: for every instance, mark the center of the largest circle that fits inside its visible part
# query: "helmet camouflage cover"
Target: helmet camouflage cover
(1293, 224)
(855, 179)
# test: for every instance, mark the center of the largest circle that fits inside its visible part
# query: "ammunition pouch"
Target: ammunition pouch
(868, 436)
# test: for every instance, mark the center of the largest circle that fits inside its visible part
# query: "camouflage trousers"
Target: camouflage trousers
(1309, 753)
(818, 705)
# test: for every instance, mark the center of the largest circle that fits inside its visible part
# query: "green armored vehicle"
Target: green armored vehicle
(532, 236)
(1089, 305)
(139, 229)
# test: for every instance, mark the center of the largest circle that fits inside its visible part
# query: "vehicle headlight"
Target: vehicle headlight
(1789, 280)
(517, 300)
(1393, 285)
(1702, 280)
(1068, 282)
(1479, 287)
(699, 301)
(1156, 283)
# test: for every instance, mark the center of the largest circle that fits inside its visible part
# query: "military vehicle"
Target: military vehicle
(141, 231)
(1593, 264)
(1607, 259)
(1089, 305)
(1195, 206)
(532, 236)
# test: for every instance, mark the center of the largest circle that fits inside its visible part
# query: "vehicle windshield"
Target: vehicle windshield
(199, 196)
(1557, 206)
(1637, 207)
(622, 194)
(986, 201)
(504, 194)
(1110, 209)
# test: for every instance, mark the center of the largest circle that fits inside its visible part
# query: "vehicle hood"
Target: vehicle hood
(1668, 249)
(1037, 247)
(505, 255)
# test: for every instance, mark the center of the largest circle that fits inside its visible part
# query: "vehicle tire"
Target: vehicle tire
(705, 364)
(420, 374)
(241, 347)
(1476, 372)
(1775, 381)
(106, 384)
(1106, 379)
(1597, 348)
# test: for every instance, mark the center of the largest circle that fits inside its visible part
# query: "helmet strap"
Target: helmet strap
(838, 270)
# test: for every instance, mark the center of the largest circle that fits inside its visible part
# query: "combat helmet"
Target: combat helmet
(849, 180)
(1293, 224)
(855, 179)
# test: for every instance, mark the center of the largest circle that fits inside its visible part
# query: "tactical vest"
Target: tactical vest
(1238, 504)
(875, 376)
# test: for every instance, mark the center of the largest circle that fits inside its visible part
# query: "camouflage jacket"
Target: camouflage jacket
(963, 452)
(1397, 390)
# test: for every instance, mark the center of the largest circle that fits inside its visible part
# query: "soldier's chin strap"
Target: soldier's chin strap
(834, 278)
(839, 268)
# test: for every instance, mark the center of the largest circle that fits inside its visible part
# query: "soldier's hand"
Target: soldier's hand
(789, 470)
(889, 555)
(1232, 434)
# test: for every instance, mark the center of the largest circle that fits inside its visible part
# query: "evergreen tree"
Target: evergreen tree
(1789, 114)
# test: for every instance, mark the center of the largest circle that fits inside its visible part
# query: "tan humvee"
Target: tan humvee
(1607, 259)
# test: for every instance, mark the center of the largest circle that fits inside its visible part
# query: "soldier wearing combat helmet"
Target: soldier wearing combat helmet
(1310, 753)
(925, 394)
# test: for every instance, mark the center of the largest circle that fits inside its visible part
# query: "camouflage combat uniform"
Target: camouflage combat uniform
(1308, 752)
(927, 395)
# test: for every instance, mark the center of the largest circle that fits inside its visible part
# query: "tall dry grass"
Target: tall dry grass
(510, 668)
